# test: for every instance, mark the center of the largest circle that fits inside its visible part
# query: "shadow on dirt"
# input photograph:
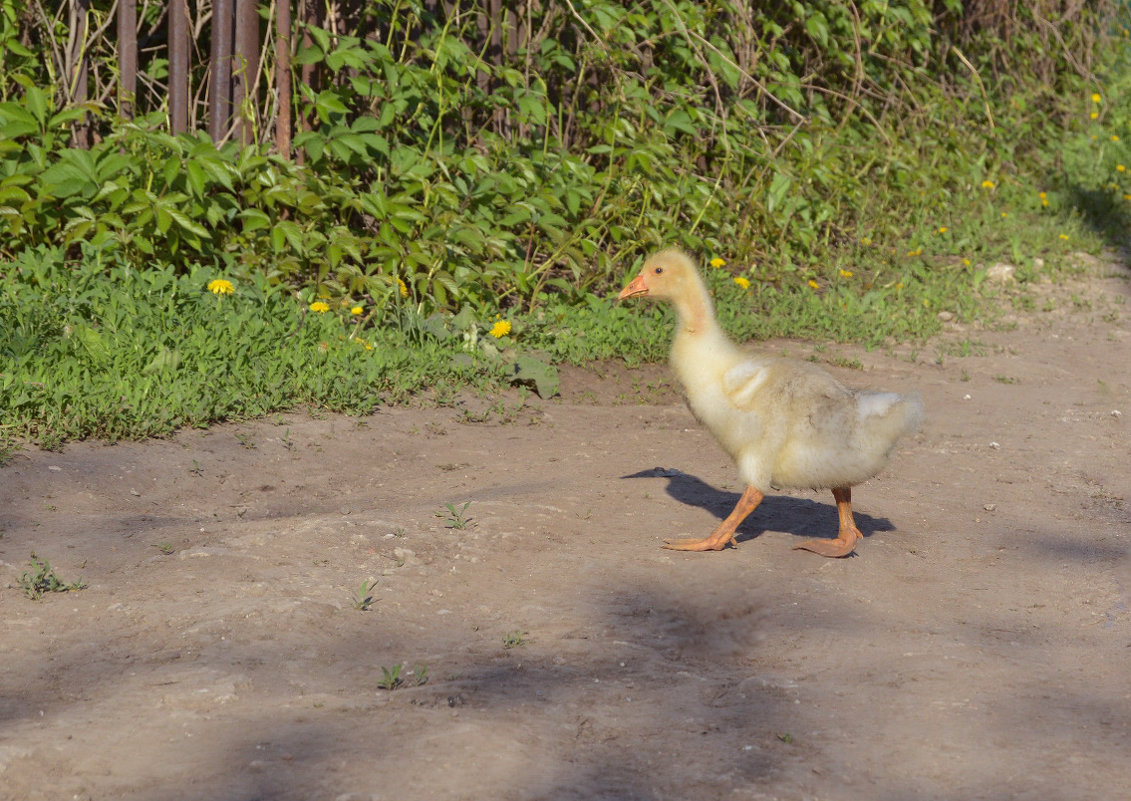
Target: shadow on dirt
(1102, 211)
(1109, 217)
(798, 516)
(683, 680)
(548, 718)
(1063, 548)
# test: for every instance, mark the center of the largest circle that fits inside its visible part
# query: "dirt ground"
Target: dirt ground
(977, 646)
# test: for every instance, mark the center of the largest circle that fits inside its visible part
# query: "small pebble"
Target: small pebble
(989, 507)
(994, 445)
(1001, 273)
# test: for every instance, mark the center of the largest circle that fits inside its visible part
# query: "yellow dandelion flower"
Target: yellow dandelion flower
(356, 311)
(1095, 116)
(1044, 202)
(1114, 138)
(403, 288)
(500, 329)
(1064, 237)
(987, 184)
(899, 285)
(943, 229)
(966, 262)
(742, 282)
(1042, 195)
(1004, 214)
(717, 262)
(1127, 197)
(813, 284)
(221, 286)
(865, 241)
(1096, 98)
(320, 306)
(844, 273)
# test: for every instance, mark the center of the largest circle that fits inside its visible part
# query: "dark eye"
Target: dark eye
(659, 271)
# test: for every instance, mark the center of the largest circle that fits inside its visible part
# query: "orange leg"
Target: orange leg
(723, 535)
(848, 535)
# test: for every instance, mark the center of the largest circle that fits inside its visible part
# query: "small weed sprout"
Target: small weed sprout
(246, 441)
(515, 639)
(396, 677)
(43, 580)
(165, 548)
(390, 678)
(456, 517)
(362, 599)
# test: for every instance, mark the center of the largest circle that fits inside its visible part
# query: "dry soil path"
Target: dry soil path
(978, 646)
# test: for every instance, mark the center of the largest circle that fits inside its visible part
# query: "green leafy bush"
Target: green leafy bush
(778, 135)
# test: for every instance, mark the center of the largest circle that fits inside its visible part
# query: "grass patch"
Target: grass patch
(400, 675)
(41, 579)
(456, 516)
(94, 348)
(362, 598)
(107, 351)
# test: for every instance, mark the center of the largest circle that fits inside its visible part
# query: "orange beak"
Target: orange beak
(637, 287)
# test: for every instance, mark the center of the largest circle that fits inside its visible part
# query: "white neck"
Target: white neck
(696, 312)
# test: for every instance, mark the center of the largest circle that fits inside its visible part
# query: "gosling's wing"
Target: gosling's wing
(742, 383)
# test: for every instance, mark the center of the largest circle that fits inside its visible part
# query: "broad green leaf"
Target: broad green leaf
(186, 223)
(779, 186)
(253, 220)
(36, 101)
(64, 180)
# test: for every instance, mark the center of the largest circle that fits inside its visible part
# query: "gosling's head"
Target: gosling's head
(668, 275)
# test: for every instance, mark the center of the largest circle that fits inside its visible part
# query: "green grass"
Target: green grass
(104, 350)
(41, 579)
(456, 516)
(362, 598)
(95, 348)
(400, 675)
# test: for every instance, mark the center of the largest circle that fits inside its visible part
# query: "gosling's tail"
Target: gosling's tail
(887, 416)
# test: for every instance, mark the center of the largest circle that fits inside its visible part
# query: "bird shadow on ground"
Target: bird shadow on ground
(799, 516)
